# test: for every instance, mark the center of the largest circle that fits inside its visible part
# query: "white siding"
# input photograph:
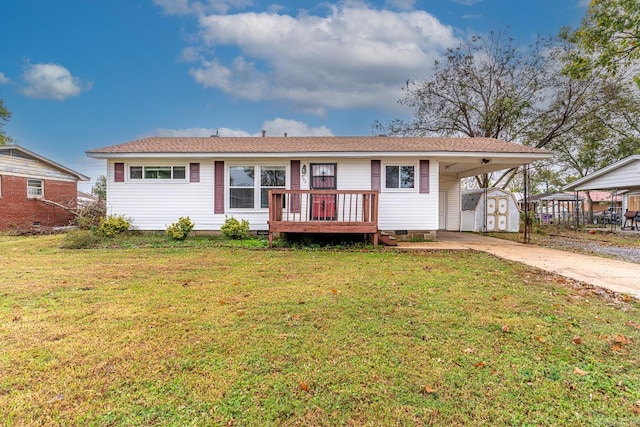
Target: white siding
(624, 177)
(153, 205)
(409, 210)
(31, 168)
(451, 184)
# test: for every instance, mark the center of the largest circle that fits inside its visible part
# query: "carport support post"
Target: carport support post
(576, 209)
(527, 219)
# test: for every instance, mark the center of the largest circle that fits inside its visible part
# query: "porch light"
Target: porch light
(304, 169)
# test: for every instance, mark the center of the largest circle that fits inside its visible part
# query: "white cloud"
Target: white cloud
(279, 126)
(4, 79)
(467, 2)
(51, 81)
(275, 127)
(354, 57)
(472, 16)
(401, 4)
(184, 7)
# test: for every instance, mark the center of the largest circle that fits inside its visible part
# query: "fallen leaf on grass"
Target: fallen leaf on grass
(542, 340)
(579, 371)
(428, 390)
(480, 364)
(634, 325)
(505, 328)
(577, 339)
(621, 339)
(56, 398)
(636, 407)
(222, 302)
(334, 290)
(304, 386)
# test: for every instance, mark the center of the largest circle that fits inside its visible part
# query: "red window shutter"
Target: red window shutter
(118, 172)
(294, 205)
(218, 188)
(194, 172)
(424, 176)
(375, 175)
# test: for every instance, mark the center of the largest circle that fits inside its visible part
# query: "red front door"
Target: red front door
(323, 177)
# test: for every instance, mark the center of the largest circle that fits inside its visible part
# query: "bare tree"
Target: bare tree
(491, 87)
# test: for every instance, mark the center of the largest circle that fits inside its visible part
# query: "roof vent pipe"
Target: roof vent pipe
(285, 134)
(264, 133)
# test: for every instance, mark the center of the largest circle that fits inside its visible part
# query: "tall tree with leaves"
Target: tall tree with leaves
(99, 189)
(604, 136)
(491, 87)
(5, 114)
(608, 37)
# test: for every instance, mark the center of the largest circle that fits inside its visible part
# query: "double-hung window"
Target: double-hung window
(34, 188)
(400, 177)
(157, 172)
(249, 185)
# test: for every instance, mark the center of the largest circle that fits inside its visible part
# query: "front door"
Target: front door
(442, 210)
(323, 177)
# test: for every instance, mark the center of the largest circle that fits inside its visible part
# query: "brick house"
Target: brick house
(35, 191)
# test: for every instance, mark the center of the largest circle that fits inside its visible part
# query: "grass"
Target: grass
(233, 336)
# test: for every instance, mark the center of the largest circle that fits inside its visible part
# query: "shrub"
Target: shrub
(112, 226)
(234, 229)
(89, 216)
(79, 239)
(181, 229)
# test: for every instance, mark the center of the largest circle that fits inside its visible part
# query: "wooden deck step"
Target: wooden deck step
(387, 239)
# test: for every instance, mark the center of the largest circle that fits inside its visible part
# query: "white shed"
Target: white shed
(493, 210)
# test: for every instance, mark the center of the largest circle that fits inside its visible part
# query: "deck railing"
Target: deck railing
(323, 211)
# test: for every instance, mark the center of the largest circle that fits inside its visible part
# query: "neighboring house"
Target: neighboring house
(621, 177)
(603, 200)
(86, 199)
(35, 191)
(407, 186)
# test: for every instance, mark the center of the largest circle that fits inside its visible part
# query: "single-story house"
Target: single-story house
(621, 177)
(35, 191)
(405, 186)
(488, 210)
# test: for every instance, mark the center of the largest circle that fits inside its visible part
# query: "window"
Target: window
(270, 177)
(241, 187)
(248, 190)
(157, 172)
(633, 202)
(400, 177)
(34, 188)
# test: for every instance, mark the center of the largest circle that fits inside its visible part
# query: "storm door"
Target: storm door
(323, 177)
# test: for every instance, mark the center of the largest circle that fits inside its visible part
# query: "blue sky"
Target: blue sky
(82, 74)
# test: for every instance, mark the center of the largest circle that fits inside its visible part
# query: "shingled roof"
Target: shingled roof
(316, 144)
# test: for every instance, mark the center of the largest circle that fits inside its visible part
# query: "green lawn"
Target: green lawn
(229, 336)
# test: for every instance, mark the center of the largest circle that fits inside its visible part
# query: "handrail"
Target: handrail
(334, 206)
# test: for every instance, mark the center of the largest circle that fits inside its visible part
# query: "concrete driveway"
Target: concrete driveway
(618, 276)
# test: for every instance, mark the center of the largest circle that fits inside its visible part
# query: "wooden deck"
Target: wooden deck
(323, 211)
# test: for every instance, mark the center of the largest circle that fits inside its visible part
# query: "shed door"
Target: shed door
(497, 213)
(323, 177)
(503, 214)
(491, 213)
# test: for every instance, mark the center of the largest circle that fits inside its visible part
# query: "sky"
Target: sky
(84, 74)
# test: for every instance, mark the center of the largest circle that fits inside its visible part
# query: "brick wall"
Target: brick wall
(17, 212)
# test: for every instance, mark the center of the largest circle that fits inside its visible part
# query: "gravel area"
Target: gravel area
(590, 246)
